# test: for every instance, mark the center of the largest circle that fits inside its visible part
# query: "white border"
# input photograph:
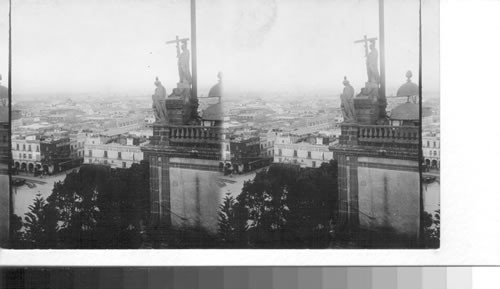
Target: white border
(470, 73)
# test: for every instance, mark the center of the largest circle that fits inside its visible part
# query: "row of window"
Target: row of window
(23, 156)
(433, 153)
(295, 154)
(106, 154)
(29, 147)
(269, 144)
(429, 144)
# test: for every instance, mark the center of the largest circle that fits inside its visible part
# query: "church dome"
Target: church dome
(405, 111)
(409, 88)
(215, 91)
(213, 112)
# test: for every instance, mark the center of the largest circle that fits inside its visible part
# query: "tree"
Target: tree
(312, 205)
(41, 224)
(283, 207)
(232, 223)
(432, 229)
(95, 207)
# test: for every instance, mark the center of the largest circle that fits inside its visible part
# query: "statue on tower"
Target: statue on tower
(183, 62)
(159, 98)
(370, 103)
(372, 64)
(347, 104)
(183, 58)
(371, 59)
(182, 103)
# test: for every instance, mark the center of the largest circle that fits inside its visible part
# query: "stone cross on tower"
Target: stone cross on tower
(371, 59)
(183, 61)
(365, 40)
(193, 77)
(177, 41)
(375, 87)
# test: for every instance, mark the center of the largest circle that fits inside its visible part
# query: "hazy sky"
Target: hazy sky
(118, 47)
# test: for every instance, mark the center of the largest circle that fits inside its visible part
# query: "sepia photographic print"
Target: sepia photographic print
(217, 124)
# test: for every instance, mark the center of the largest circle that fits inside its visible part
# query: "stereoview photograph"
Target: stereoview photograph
(260, 124)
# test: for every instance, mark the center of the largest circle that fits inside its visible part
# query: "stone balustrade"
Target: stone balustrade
(187, 136)
(380, 135)
(195, 134)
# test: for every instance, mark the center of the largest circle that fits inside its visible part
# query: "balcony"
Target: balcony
(187, 136)
(380, 135)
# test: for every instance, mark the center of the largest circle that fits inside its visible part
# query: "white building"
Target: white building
(431, 146)
(114, 155)
(77, 144)
(226, 146)
(26, 153)
(305, 154)
(267, 141)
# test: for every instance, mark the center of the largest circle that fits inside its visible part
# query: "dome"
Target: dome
(405, 111)
(409, 88)
(213, 112)
(215, 91)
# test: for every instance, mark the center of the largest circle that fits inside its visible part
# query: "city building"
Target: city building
(312, 124)
(78, 144)
(4, 135)
(431, 149)
(267, 140)
(114, 154)
(245, 153)
(310, 153)
(56, 154)
(26, 154)
(378, 163)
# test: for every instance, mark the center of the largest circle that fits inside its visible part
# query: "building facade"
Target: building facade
(184, 158)
(267, 140)
(56, 154)
(245, 150)
(431, 149)
(26, 154)
(114, 155)
(305, 154)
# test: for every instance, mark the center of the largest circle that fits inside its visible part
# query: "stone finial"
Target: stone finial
(409, 75)
(409, 89)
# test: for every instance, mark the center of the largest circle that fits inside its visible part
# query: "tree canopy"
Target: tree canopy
(284, 206)
(94, 207)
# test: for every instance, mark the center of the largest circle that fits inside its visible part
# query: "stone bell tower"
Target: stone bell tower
(378, 163)
(183, 157)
